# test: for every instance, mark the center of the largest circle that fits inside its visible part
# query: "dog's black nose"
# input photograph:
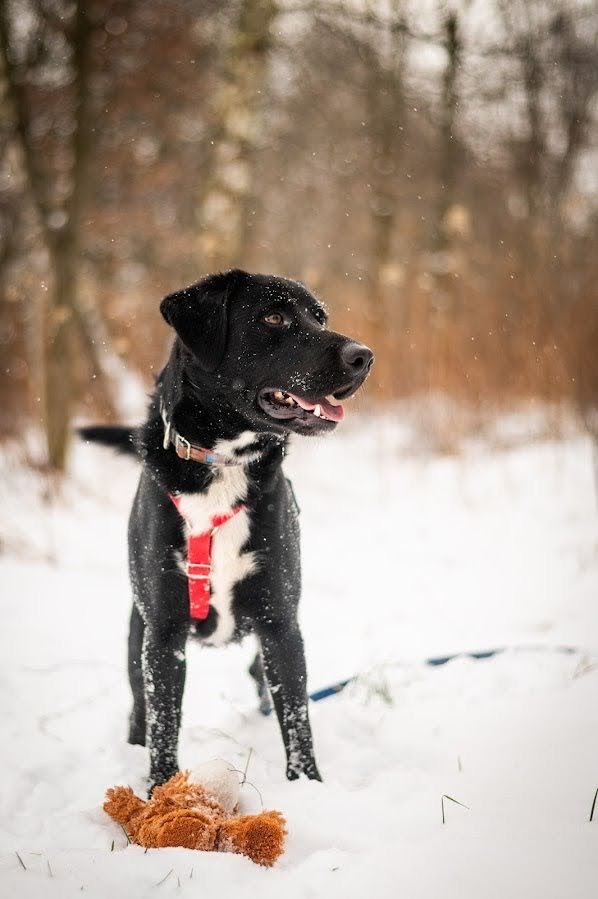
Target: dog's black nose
(356, 357)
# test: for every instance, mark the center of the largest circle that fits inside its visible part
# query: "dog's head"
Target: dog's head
(261, 343)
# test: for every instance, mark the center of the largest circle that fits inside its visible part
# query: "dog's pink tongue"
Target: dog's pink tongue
(327, 410)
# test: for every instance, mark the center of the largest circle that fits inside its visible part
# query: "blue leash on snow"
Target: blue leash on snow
(437, 661)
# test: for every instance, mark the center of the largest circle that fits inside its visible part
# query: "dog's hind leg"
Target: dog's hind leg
(137, 719)
(256, 670)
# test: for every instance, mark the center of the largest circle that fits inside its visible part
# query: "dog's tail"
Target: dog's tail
(119, 437)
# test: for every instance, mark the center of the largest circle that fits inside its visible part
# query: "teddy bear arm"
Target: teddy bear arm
(124, 806)
(259, 837)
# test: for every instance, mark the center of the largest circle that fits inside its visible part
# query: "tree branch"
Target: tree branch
(18, 97)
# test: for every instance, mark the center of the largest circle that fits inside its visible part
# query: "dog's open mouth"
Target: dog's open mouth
(284, 405)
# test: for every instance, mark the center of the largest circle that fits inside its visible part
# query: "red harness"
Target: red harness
(199, 561)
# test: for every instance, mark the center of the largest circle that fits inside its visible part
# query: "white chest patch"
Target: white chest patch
(229, 564)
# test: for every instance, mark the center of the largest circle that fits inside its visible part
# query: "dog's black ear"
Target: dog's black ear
(199, 315)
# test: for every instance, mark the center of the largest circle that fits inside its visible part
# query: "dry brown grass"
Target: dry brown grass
(484, 351)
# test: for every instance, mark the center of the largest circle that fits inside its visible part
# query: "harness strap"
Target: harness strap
(198, 565)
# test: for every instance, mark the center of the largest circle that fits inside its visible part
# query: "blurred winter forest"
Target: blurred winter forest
(428, 168)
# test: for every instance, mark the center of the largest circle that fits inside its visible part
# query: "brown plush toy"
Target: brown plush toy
(196, 810)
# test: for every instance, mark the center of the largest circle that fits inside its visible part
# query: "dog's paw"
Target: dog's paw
(308, 769)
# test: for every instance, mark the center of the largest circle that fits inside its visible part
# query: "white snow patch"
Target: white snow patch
(403, 558)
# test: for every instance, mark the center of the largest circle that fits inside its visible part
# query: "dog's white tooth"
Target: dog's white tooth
(279, 395)
(318, 410)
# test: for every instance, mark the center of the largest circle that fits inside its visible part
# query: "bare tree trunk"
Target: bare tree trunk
(225, 195)
(59, 385)
(534, 150)
(448, 146)
(123, 390)
(64, 309)
(64, 253)
(56, 380)
(450, 222)
(387, 105)
(386, 275)
(577, 64)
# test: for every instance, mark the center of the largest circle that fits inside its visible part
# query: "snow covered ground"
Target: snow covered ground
(404, 557)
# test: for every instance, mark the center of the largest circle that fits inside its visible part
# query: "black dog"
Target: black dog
(251, 363)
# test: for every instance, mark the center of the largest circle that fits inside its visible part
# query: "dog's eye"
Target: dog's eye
(276, 319)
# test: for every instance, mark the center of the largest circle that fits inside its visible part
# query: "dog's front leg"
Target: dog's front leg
(284, 664)
(163, 660)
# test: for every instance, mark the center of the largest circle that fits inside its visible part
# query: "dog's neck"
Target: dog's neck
(214, 426)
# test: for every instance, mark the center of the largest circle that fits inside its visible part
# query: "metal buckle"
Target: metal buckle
(198, 577)
(186, 444)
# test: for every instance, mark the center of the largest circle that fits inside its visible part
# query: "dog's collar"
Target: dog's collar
(190, 451)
